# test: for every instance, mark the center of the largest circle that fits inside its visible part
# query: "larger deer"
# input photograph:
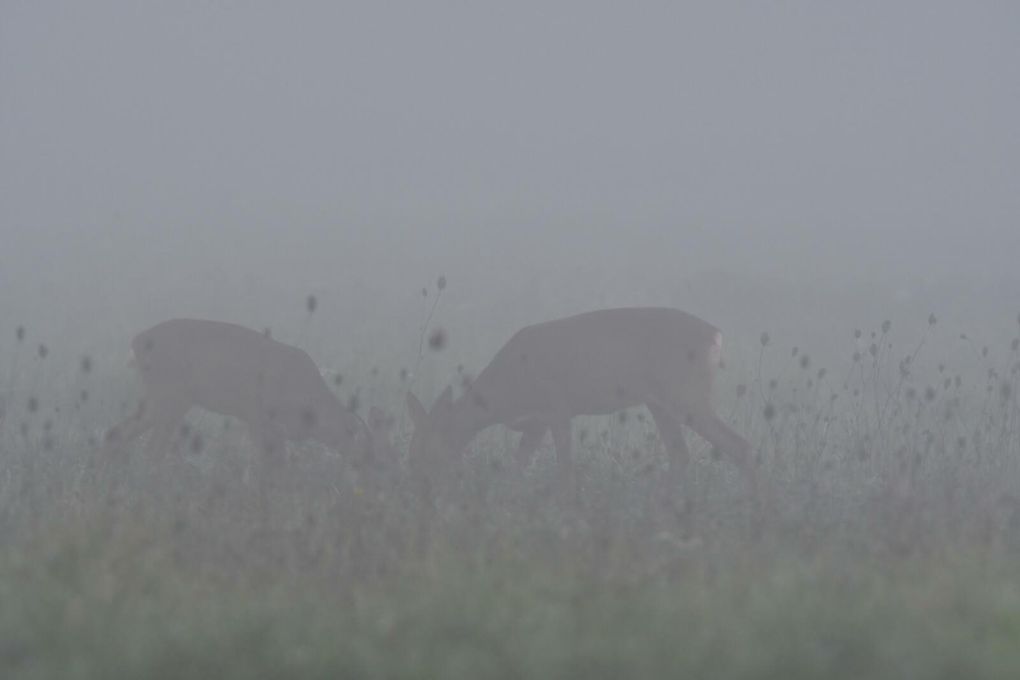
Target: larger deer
(275, 389)
(590, 364)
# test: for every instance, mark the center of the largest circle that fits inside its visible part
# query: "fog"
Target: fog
(203, 153)
(797, 169)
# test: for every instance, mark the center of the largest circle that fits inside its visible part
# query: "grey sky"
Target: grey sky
(860, 138)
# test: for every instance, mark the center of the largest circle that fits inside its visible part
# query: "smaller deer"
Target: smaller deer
(274, 388)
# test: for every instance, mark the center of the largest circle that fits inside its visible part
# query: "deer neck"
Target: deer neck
(467, 420)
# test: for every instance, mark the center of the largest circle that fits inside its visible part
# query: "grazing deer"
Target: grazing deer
(274, 388)
(590, 364)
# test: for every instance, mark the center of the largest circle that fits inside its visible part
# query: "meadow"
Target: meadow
(885, 542)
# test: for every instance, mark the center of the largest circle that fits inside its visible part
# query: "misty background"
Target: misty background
(769, 166)
(834, 185)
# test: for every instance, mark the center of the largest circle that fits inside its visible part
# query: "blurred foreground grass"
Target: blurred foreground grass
(125, 598)
(887, 545)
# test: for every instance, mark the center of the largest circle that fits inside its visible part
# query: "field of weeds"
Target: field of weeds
(885, 543)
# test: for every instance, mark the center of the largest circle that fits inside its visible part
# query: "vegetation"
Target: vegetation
(886, 542)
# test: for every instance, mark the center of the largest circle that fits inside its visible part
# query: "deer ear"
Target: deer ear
(417, 412)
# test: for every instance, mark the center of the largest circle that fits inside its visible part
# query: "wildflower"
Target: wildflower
(437, 339)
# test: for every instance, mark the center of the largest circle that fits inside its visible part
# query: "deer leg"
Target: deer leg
(167, 416)
(162, 438)
(530, 440)
(678, 455)
(564, 457)
(117, 438)
(129, 429)
(721, 436)
(271, 445)
(271, 452)
(163, 417)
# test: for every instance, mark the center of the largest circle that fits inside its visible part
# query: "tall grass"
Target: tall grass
(885, 543)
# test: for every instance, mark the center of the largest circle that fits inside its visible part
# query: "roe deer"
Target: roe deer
(591, 364)
(275, 389)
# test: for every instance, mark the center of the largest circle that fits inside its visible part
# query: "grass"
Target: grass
(131, 603)
(887, 544)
